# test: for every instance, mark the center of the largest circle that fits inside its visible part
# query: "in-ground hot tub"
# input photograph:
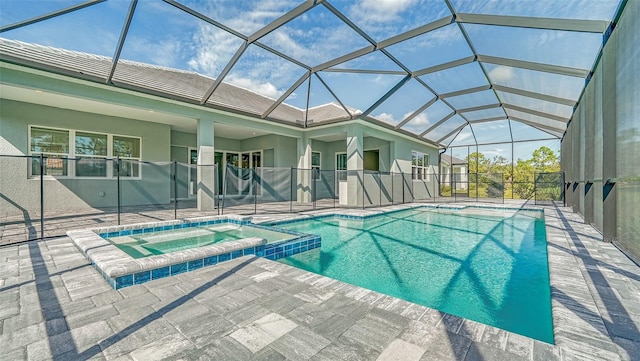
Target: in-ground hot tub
(135, 254)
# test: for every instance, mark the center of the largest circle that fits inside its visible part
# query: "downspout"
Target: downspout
(444, 150)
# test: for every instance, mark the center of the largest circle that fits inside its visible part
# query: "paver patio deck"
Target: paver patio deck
(56, 306)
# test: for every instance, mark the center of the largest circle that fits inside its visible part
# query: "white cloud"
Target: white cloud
(501, 73)
(286, 44)
(420, 120)
(493, 152)
(263, 88)
(381, 10)
(213, 49)
(548, 37)
(386, 117)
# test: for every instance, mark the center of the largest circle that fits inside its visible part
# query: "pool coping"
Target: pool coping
(121, 270)
(355, 214)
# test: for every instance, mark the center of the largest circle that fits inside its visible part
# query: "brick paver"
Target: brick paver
(54, 305)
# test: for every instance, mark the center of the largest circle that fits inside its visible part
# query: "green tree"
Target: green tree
(545, 160)
(523, 179)
(478, 163)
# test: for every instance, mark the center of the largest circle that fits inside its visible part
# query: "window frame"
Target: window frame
(76, 156)
(420, 172)
(315, 169)
(62, 156)
(139, 160)
(341, 174)
(71, 157)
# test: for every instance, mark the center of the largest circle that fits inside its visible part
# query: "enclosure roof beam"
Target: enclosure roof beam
(415, 114)
(364, 71)
(438, 123)
(344, 58)
(484, 120)
(387, 95)
(444, 66)
(548, 68)
(434, 25)
(282, 55)
(451, 133)
(537, 125)
(333, 94)
(539, 96)
(480, 107)
(579, 25)
(465, 91)
(49, 15)
(286, 94)
(297, 11)
(349, 23)
(224, 72)
(123, 36)
(206, 18)
(536, 112)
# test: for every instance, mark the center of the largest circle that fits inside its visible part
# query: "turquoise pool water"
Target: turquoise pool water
(484, 265)
(161, 242)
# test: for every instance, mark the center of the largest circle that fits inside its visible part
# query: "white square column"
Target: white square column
(303, 174)
(355, 166)
(206, 169)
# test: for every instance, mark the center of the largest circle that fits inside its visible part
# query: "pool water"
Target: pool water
(486, 266)
(154, 243)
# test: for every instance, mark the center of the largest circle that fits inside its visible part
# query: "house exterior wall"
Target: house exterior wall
(69, 193)
(160, 144)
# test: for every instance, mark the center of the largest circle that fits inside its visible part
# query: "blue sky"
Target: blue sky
(165, 36)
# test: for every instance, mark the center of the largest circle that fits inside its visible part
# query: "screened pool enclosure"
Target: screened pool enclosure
(444, 100)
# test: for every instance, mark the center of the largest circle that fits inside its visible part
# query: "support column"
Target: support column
(355, 165)
(393, 159)
(304, 178)
(206, 161)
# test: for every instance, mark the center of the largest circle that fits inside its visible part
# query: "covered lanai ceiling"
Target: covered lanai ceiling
(445, 71)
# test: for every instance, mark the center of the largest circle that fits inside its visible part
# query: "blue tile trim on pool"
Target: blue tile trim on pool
(172, 270)
(271, 251)
(138, 229)
(275, 224)
(275, 251)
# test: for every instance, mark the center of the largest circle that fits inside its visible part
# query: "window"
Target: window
(419, 165)
(54, 145)
(92, 152)
(193, 156)
(128, 150)
(244, 163)
(233, 159)
(341, 166)
(256, 159)
(315, 164)
(371, 160)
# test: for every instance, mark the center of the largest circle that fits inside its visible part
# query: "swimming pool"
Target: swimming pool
(141, 245)
(484, 265)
